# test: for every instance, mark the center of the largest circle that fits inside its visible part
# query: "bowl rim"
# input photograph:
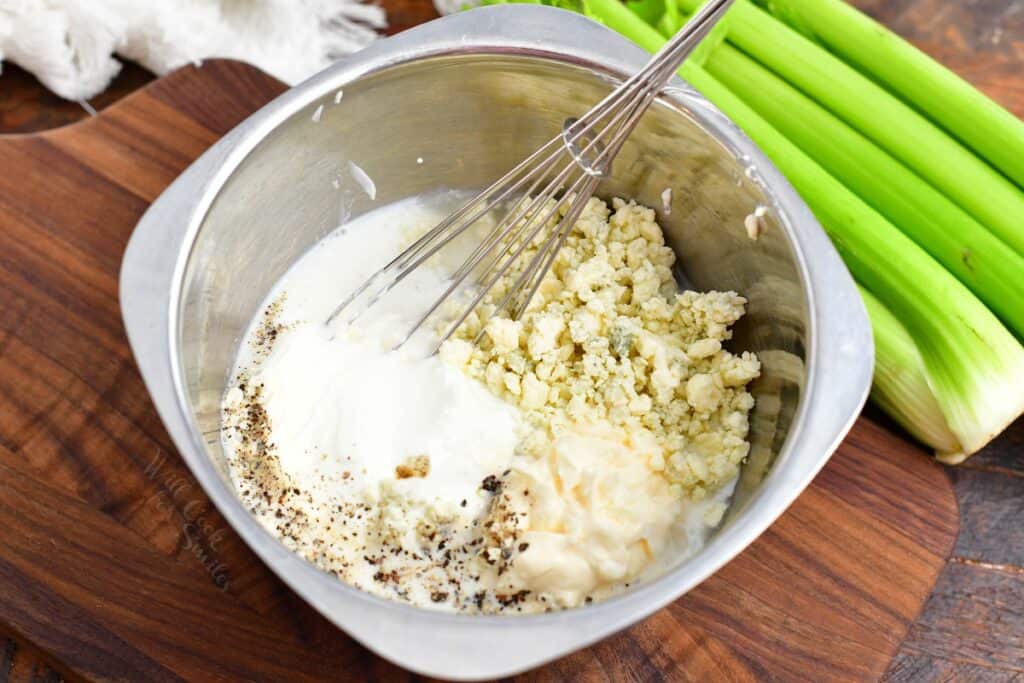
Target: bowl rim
(838, 368)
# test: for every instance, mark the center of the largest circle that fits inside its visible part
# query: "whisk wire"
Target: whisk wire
(590, 142)
(511, 242)
(402, 264)
(539, 266)
(497, 273)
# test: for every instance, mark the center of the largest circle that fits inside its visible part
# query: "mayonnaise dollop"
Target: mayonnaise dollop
(599, 514)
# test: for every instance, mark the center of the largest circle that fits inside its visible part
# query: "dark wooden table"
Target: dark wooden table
(973, 626)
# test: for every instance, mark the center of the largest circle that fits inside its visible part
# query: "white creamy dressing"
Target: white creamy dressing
(339, 401)
(345, 413)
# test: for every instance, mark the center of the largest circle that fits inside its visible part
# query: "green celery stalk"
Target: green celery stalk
(617, 17)
(900, 384)
(983, 262)
(672, 20)
(651, 11)
(974, 365)
(952, 168)
(991, 131)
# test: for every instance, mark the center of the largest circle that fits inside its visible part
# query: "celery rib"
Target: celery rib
(975, 366)
(900, 384)
(991, 269)
(990, 130)
(910, 137)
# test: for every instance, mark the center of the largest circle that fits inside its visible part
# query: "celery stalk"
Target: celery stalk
(952, 168)
(975, 366)
(900, 384)
(983, 262)
(672, 20)
(651, 11)
(992, 132)
(617, 17)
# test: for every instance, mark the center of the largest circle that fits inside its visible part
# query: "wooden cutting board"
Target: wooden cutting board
(115, 564)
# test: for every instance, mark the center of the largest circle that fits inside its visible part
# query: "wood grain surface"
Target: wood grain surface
(971, 628)
(118, 567)
(973, 625)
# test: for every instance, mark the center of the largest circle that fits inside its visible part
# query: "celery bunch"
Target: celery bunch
(881, 116)
(930, 230)
(993, 133)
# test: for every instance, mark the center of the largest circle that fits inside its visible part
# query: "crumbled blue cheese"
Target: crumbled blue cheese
(609, 339)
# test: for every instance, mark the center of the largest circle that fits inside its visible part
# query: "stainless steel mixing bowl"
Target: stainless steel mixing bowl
(470, 95)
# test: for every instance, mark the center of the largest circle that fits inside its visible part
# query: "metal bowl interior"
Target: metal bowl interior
(470, 96)
(470, 118)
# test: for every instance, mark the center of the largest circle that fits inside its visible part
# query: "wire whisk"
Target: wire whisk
(542, 198)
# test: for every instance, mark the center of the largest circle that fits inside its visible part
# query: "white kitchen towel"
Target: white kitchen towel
(70, 45)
